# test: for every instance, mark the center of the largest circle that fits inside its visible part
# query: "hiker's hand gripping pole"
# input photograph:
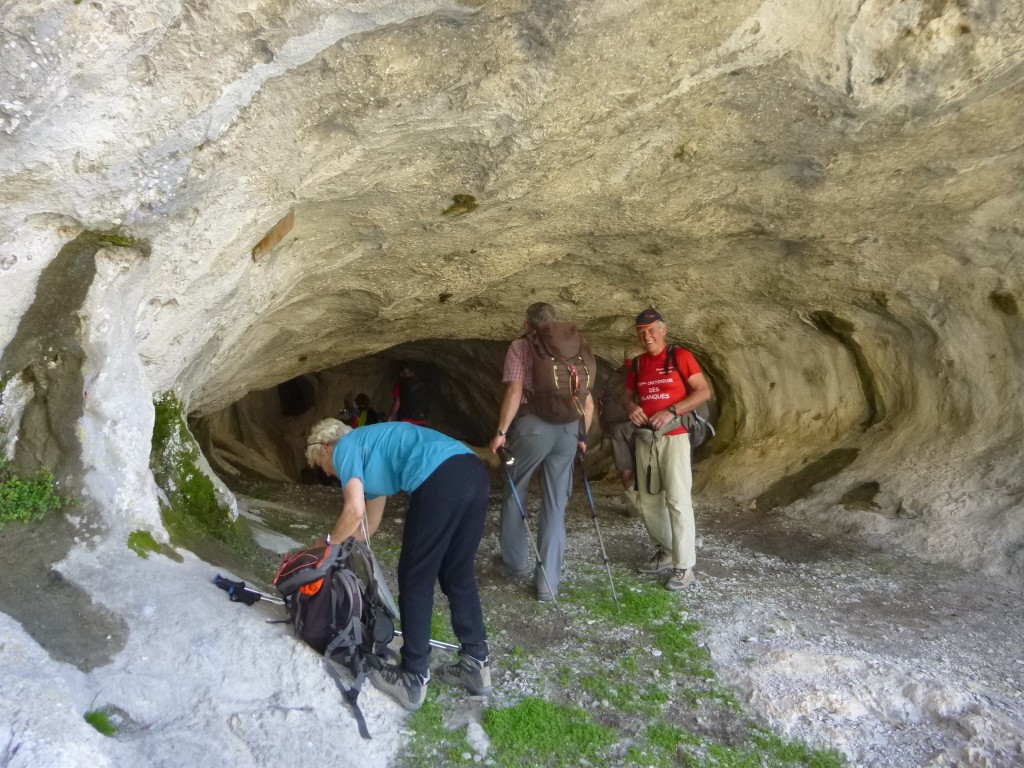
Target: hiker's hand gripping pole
(507, 459)
(600, 539)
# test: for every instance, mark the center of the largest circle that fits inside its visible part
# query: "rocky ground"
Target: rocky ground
(888, 660)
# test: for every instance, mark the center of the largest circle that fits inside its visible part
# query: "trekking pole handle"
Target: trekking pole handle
(506, 456)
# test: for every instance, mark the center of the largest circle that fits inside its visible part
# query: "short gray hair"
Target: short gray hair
(540, 312)
(324, 433)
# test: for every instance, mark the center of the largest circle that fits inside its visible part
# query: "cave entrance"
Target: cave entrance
(263, 434)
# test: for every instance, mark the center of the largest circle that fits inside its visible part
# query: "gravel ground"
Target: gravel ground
(889, 660)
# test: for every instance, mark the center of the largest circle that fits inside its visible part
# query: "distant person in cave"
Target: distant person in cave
(666, 388)
(410, 398)
(448, 488)
(348, 414)
(365, 413)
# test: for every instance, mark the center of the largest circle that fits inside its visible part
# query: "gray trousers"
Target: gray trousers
(536, 443)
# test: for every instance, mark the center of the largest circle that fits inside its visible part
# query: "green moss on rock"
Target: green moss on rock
(193, 515)
(192, 499)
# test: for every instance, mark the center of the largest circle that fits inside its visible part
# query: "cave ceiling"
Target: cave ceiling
(824, 199)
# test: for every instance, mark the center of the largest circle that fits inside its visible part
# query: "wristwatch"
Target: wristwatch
(672, 410)
(500, 433)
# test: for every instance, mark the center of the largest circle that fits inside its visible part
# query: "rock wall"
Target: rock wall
(823, 198)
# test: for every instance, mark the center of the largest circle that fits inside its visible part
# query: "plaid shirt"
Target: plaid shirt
(519, 365)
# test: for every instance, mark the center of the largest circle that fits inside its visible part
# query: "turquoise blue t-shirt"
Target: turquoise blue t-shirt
(392, 457)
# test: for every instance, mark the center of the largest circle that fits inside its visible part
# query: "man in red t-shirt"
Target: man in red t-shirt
(665, 390)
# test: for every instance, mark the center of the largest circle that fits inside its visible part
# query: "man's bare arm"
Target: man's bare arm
(509, 409)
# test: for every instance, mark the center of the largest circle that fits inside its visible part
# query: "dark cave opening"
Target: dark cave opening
(263, 434)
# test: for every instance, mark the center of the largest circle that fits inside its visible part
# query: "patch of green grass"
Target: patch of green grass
(650, 693)
(794, 753)
(536, 732)
(26, 499)
(260, 494)
(624, 696)
(659, 746)
(432, 743)
(142, 543)
(441, 627)
(668, 745)
(101, 721)
(642, 604)
(517, 659)
(677, 640)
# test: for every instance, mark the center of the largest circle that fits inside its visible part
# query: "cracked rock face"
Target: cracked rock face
(824, 199)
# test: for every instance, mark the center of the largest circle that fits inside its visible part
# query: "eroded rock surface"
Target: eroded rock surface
(823, 198)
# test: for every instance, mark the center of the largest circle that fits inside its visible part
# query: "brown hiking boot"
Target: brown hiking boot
(681, 578)
(660, 563)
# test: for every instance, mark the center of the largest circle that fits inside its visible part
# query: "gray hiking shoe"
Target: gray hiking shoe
(469, 673)
(661, 562)
(407, 688)
(681, 578)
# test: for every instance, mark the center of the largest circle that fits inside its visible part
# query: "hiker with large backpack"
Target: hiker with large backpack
(448, 487)
(669, 384)
(543, 421)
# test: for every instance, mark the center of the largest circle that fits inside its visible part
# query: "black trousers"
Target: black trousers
(441, 538)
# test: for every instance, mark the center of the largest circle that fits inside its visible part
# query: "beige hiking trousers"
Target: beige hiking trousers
(665, 501)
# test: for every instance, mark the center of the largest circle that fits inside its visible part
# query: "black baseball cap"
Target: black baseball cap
(648, 316)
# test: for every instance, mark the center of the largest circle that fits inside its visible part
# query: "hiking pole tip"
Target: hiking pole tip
(503, 452)
(600, 538)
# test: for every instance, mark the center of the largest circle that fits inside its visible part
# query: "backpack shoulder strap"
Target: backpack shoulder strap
(671, 361)
(350, 694)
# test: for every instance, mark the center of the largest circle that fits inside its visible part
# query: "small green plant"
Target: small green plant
(142, 543)
(101, 721)
(26, 499)
(116, 238)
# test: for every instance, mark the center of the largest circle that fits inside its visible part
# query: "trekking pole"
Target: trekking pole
(239, 593)
(600, 539)
(508, 459)
(435, 643)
